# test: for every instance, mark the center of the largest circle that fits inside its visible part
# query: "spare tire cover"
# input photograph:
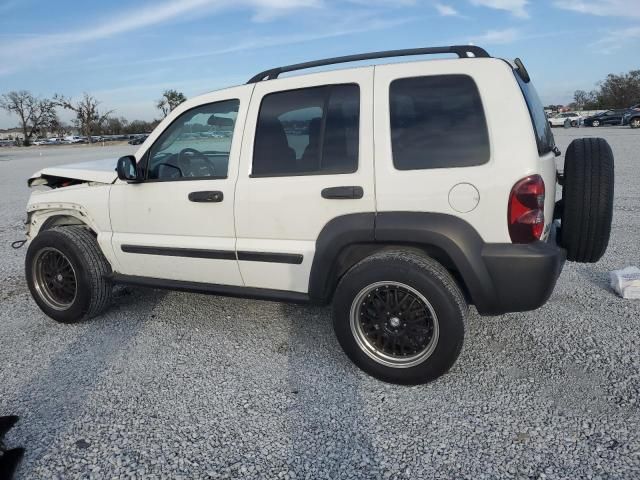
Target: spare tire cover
(587, 198)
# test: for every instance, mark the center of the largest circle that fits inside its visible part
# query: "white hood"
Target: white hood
(100, 171)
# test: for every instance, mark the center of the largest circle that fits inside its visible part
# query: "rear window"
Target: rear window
(437, 122)
(544, 137)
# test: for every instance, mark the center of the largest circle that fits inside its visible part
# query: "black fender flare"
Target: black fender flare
(368, 231)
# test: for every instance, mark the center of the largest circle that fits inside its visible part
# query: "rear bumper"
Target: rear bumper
(522, 276)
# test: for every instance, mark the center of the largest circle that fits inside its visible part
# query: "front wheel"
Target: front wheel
(66, 274)
(399, 316)
(635, 122)
(595, 123)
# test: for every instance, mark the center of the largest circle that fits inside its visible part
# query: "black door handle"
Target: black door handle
(212, 197)
(342, 193)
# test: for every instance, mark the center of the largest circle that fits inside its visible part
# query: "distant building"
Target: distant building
(11, 134)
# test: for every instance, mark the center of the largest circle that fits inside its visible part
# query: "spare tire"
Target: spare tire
(587, 199)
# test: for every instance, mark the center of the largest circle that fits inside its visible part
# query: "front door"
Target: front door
(306, 138)
(178, 223)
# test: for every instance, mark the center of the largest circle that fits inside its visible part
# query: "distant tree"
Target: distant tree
(170, 100)
(114, 126)
(88, 118)
(57, 127)
(619, 91)
(34, 113)
(581, 100)
(141, 126)
(616, 91)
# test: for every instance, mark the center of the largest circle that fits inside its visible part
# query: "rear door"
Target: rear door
(307, 158)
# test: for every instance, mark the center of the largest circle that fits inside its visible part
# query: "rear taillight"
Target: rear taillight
(526, 210)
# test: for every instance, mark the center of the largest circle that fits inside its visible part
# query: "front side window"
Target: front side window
(310, 131)
(196, 145)
(437, 122)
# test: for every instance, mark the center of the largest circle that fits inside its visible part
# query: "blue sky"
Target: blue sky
(127, 53)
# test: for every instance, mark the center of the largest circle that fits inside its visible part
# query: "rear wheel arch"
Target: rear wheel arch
(451, 241)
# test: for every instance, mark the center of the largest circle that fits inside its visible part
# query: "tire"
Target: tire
(574, 123)
(595, 123)
(634, 122)
(587, 196)
(79, 262)
(438, 309)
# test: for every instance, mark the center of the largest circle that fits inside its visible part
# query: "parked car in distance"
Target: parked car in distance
(610, 117)
(567, 119)
(40, 141)
(74, 139)
(138, 140)
(402, 215)
(632, 116)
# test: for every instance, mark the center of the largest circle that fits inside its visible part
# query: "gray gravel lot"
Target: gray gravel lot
(190, 386)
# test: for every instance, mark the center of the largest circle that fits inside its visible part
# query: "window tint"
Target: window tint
(437, 122)
(308, 131)
(541, 127)
(196, 144)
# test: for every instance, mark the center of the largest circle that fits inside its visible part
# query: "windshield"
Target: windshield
(544, 137)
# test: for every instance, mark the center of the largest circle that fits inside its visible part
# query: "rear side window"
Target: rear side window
(310, 131)
(437, 122)
(541, 127)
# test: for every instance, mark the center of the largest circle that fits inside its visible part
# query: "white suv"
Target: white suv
(401, 193)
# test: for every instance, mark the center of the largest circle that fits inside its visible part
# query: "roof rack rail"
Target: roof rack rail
(463, 51)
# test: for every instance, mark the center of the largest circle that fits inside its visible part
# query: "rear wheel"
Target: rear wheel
(66, 273)
(587, 198)
(399, 316)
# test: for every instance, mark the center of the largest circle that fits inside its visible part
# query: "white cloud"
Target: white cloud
(615, 39)
(613, 8)
(446, 10)
(18, 54)
(353, 26)
(497, 37)
(517, 8)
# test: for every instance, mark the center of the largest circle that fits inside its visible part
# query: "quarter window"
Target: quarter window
(310, 131)
(196, 145)
(437, 122)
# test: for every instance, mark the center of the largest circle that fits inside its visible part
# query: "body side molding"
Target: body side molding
(291, 258)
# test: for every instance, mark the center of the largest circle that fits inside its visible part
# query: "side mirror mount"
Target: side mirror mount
(127, 169)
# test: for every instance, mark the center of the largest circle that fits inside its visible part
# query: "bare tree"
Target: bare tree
(170, 100)
(34, 113)
(88, 118)
(57, 127)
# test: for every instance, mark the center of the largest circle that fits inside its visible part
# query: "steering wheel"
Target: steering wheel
(187, 159)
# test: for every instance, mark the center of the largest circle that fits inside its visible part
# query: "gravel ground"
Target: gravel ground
(189, 386)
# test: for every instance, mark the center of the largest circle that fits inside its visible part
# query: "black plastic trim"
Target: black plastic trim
(334, 238)
(180, 252)
(498, 278)
(291, 258)
(212, 289)
(463, 51)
